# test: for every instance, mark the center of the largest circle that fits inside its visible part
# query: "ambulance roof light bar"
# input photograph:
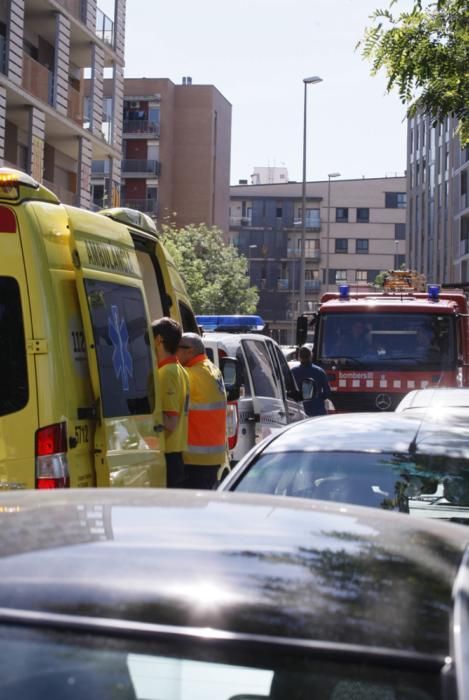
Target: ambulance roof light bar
(434, 292)
(131, 217)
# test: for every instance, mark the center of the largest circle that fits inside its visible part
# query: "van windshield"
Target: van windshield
(122, 346)
(13, 369)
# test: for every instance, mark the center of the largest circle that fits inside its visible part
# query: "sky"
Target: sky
(256, 53)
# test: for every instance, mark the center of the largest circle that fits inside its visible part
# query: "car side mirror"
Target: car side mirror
(309, 389)
(231, 370)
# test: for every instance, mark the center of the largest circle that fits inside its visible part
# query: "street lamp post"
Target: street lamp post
(307, 81)
(331, 175)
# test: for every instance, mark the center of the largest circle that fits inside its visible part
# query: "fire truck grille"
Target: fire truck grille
(365, 401)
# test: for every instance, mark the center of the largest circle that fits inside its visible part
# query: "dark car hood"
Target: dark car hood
(265, 565)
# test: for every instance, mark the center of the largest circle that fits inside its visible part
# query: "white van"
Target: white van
(269, 398)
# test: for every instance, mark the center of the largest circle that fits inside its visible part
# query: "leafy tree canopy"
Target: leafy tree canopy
(215, 274)
(425, 54)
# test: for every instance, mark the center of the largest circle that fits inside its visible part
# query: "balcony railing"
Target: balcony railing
(141, 167)
(100, 167)
(37, 79)
(141, 126)
(312, 285)
(240, 221)
(310, 225)
(309, 254)
(147, 206)
(104, 28)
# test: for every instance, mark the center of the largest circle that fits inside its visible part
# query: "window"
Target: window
(341, 275)
(14, 391)
(363, 215)
(260, 368)
(341, 245)
(361, 245)
(399, 232)
(311, 247)
(341, 215)
(122, 346)
(395, 200)
(279, 212)
(361, 275)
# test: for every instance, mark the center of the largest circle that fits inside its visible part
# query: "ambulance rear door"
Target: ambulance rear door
(18, 391)
(129, 449)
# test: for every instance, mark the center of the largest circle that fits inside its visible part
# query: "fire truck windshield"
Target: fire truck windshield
(387, 340)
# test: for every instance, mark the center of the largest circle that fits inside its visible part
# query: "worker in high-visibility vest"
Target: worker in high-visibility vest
(206, 441)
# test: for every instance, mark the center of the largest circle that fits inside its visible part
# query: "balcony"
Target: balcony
(312, 285)
(104, 28)
(314, 255)
(141, 168)
(311, 224)
(100, 167)
(238, 221)
(283, 284)
(142, 127)
(147, 206)
(37, 79)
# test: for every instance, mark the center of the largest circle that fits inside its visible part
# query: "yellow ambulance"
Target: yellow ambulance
(79, 398)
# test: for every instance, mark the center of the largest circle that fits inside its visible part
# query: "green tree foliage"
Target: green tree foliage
(425, 54)
(215, 274)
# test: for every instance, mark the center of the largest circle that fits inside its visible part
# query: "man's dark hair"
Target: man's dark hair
(304, 354)
(170, 332)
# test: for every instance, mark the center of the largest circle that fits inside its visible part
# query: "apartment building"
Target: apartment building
(46, 129)
(175, 154)
(353, 230)
(438, 202)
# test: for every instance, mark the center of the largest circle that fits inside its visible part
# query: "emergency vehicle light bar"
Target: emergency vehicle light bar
(131, 217)
(344, 291)
(433, 292)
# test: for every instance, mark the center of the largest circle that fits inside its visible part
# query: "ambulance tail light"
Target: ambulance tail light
(51, 457)
(232, 424)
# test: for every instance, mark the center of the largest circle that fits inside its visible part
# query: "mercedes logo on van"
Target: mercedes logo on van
(383, 402)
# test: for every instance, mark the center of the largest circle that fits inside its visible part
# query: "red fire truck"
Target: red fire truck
(377, 346)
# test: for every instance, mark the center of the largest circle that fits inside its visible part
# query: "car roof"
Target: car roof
(243, 563)
(379, 432)
(457, 397)
(229, 342)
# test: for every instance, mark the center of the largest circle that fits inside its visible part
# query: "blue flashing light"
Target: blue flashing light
(343, 291)
(433, 292)
(231, 322)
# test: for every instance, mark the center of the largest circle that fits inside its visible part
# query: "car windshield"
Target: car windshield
(421, 485)
(426, 341)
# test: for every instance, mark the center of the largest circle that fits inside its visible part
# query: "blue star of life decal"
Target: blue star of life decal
(121, 357)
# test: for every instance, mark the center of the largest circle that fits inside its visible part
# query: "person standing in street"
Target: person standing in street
(206, 443)
(307, 370)
(174, 384)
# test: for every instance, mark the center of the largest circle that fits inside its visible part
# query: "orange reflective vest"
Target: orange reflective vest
(206, 440)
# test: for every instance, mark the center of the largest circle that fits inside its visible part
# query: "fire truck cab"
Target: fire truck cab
(377, 346)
